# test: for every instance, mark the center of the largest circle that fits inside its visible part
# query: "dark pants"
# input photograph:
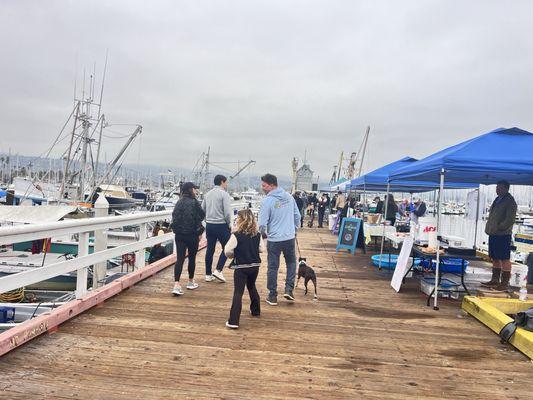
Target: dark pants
(241, 278)
(216, 233)
(185, 244)
(302, 214)
(274, 251)
(320, 217)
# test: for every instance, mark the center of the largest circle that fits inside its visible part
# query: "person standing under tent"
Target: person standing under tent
(187, 226)
(379, 205)
(499, 227)
(217, 208)
(404, 208)
(419, 210)
(333, 202)
(392, 209)
(279, 219)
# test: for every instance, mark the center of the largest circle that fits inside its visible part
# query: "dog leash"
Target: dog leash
(298, 246)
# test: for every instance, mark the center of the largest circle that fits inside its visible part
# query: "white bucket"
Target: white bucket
(432, 240)
(518, 275)
(425, 226)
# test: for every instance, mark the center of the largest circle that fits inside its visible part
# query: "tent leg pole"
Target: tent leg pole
(477, 217)
(383, 232)
(437, 266)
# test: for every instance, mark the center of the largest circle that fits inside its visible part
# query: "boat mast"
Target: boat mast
(340, 165)
(69, 153)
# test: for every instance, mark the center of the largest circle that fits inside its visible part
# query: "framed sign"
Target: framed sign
(348, 234)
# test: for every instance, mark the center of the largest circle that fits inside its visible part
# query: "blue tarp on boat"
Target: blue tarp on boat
(502, 154)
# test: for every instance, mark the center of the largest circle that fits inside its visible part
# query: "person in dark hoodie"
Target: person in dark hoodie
(392, 209)
(187, 226)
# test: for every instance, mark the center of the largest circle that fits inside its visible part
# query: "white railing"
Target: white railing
(83, 227)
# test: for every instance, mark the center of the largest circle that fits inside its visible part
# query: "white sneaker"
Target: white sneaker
(177, 291)
(209, 278)
(218, 274)
(192, 285)
(231, 326)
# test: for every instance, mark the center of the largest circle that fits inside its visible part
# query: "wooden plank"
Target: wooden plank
(359, 340)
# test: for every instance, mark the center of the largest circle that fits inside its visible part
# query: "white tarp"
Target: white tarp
(31, 189)
(34, 214)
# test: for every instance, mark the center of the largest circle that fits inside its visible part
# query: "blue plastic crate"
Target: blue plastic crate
(447, 265)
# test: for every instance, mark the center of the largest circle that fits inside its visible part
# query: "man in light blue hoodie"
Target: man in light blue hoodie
(279, 220)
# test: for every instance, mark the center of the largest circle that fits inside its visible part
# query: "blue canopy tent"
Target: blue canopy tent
(502, 154)
(378, 180)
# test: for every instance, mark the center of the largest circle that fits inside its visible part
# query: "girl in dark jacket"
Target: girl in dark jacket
(187, 226)
(244, 247)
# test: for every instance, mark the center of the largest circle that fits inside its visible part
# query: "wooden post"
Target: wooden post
(81, 275)
(101, 209)
(140, 255)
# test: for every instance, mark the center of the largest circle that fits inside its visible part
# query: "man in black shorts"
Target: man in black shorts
(499, 227)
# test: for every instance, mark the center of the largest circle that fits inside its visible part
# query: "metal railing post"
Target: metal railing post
(140, 255)
(81, 274)
(101, 209)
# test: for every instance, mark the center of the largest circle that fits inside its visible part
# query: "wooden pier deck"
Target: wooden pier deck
(360, 340)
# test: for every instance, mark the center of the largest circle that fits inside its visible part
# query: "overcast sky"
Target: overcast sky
(268, 79)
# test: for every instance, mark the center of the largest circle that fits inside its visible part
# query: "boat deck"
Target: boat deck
(359, 340)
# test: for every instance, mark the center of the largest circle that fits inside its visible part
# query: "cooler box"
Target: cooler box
(425, 226)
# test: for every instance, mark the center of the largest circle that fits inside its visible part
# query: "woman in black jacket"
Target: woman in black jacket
(392, 209)
(187, 226)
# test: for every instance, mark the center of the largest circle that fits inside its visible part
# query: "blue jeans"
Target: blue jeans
(274, 251)
(215, 233)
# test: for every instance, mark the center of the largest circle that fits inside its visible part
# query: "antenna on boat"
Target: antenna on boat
(103, 82)
(75, 77)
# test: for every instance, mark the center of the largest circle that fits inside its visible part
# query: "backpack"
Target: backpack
(523, 319)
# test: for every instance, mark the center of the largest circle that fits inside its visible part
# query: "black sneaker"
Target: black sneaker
(288, 295)
(272, 300)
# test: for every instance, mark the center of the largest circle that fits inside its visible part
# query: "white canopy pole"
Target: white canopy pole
(437, 266)
(477, 216)
(384, 220)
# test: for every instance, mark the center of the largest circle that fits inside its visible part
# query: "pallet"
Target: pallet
(494, 313)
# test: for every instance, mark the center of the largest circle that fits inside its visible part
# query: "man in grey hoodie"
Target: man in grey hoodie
(217, 207)
(279, 220)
